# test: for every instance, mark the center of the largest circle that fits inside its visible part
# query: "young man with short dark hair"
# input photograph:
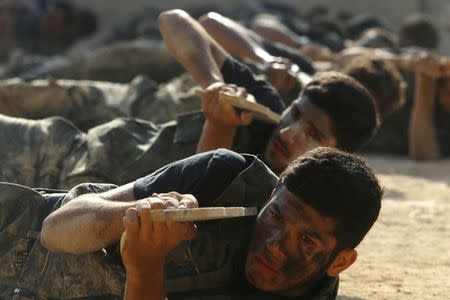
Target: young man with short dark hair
(382, 79)
(310, 221)
(321, 207)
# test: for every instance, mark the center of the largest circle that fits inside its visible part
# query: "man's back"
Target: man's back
(219, 178)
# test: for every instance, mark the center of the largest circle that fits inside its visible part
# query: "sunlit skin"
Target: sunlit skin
(303, 127)
(283, 77)
(291, 247)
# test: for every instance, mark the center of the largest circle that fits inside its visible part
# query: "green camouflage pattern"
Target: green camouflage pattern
(26, 267)
(53, 153)
(34, 153)
(125, 149)
(119, 61)
(203, 268)
(91, 103)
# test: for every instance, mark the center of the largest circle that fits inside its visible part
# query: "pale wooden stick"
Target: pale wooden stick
(202, 214)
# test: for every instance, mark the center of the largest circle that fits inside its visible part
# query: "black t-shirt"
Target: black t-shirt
(204, 175)
(252, 139)
(294, 55)
(207, 176)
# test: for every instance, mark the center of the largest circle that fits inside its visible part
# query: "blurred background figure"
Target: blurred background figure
(43, 26)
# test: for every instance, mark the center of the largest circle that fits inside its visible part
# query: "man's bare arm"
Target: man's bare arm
(145, 244)
(236, 39)
(203, 58)
(423, 143)
(192, 47)
(88, 223)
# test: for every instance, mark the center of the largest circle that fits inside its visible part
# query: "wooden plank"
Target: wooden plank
(202, 213)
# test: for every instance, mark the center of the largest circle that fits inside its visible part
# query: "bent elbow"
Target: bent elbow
(47, 235)
(210, 19)
(170, 18)
(52, 239)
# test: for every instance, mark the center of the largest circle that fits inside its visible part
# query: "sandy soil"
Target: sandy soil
(406, 255)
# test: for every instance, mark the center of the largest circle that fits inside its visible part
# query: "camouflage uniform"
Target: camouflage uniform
(118, 62)
(137, 147)
(28, 269)
(34, 153)
(204, 268)
(90, 103)
(123, 149)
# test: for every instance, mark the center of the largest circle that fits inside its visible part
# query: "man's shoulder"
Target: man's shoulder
(252, 186)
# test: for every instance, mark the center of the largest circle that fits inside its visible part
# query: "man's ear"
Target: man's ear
(343, 260)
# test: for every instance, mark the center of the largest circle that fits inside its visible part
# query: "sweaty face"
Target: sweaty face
(291, 246)
(303, 127)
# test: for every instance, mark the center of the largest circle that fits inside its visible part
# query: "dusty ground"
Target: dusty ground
(407, 253)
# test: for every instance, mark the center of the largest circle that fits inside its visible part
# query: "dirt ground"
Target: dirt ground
(406, 255)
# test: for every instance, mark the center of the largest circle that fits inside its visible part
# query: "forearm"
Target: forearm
(423, 143)
(86, 224)
(276, 32)
(214, 137)
(235, 39)
(192, 47)
(148, 286)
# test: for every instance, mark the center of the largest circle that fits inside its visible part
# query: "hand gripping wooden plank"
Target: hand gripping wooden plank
(260, 111)
(202, 213)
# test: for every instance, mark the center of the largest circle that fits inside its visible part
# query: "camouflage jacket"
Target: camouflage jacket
(204, 268)
(91, 103)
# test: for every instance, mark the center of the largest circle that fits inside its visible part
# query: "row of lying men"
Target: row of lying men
(316, 204)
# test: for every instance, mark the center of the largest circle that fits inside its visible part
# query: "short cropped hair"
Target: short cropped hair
(417, 31)
(337, 185)
(349, 105)
(382, 79)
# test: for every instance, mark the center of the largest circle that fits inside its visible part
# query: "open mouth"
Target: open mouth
(277, 147)
(264, 266)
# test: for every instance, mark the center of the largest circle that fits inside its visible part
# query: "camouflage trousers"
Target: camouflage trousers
(30, 271)
(53, 153)
(90, 103)
(34, 153)
(117, 62)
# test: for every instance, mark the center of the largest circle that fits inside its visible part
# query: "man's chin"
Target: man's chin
(256, 278)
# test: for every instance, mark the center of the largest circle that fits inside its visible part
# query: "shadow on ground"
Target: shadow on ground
(349, 298)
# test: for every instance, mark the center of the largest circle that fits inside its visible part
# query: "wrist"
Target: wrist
(210, 80)
(216, 128)
(138, 276)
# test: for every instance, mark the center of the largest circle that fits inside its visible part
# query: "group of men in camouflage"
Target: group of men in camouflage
(155, 151)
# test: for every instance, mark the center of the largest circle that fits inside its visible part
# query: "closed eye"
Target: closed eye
(306, 239)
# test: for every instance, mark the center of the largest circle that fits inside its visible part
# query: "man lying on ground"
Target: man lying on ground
(421, 129)
(333, 110)
(305, 236)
